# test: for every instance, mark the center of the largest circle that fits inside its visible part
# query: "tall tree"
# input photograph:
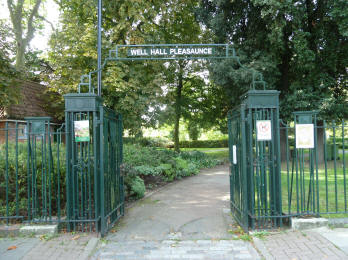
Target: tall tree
(130, 88)
(176, 23)
(8, 74)
(25, 20)
(300, 46)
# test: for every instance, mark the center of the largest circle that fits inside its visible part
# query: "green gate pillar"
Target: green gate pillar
(263, 173)
(83, 159)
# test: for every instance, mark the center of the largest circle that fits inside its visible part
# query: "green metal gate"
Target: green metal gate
(51, 174)
(255, 178)
(273, 179)
(112, 183)
(95, 191)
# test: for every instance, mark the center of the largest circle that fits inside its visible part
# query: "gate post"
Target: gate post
(83, 161)
(263, 173)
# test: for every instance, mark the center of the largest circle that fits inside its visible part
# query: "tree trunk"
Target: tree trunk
(283, 147)
(20, 55)
(178, 112)
(320, 141)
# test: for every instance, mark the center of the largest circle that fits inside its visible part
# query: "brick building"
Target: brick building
(31, 104)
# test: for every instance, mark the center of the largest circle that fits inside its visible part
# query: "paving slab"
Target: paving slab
(58, 247)
(337, 236)
(20, 247)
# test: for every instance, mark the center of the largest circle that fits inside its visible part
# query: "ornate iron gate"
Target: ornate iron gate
(95, 194)
(255, 160)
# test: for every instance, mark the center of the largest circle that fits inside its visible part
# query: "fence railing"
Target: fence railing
(313, 180)
(48, 174)
(32, 169)
(306, 176)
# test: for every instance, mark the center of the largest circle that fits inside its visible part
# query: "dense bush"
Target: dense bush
(162, 142)
(147, 141)
(204, 144)
(164, 164)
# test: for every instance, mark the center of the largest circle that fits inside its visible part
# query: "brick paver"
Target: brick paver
(64, 246)
(298, 245)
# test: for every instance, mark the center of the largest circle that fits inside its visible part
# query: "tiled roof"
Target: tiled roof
(30, 104)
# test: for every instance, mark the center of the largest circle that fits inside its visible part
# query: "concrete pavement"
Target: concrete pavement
(189, 219)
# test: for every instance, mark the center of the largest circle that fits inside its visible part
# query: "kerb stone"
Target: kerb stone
(39, 229)
(308, 223)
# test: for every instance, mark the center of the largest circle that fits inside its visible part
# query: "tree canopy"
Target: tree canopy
(300, 46)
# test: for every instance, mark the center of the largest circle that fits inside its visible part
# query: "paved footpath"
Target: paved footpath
(62, 246)
(188, 219)
(306, 244)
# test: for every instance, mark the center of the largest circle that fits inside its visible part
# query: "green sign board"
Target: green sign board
(175, 51)
(81, 129)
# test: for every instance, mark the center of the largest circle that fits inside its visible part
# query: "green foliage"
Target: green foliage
(20, 177)
(139, 163)
(299, 46)
(166, 164)
(26, 21)
(204, 144)
(8, 74)
(130, 88)
(147, 141)
(136, 187)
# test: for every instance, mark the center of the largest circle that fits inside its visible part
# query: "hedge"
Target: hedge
(204, 144)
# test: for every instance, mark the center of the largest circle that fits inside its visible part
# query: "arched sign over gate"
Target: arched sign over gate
(171, 52)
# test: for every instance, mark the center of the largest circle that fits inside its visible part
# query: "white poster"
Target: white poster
(304, 136)
(263, 130)
(234, 151)
(81, 129)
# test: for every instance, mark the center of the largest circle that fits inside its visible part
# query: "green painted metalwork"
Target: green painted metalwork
(120, 53)
(317, 182)
(30, 189)
(307, 181)
(112, 187)
(95, 192)
(259, 174)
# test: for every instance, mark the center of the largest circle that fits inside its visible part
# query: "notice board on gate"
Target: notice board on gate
(81, 129)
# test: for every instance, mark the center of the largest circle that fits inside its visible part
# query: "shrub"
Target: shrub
(136, 187)
(204, 144)
(146, 141)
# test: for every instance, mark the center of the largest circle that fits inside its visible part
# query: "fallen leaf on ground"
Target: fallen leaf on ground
(76, 237)
(11, 248)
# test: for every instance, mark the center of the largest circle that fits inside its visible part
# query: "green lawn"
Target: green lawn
(332, 189)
